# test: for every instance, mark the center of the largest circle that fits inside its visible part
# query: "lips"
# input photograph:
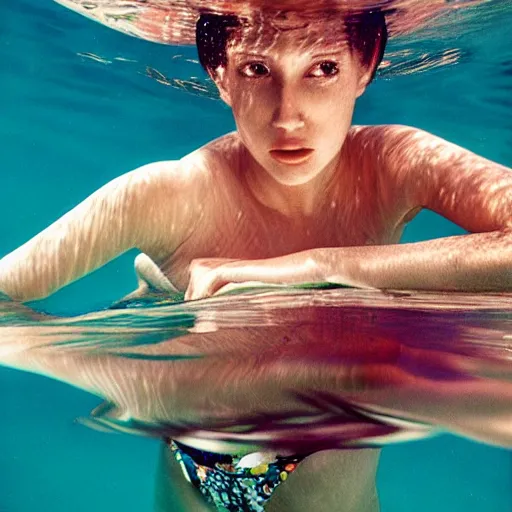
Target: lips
(291, 156)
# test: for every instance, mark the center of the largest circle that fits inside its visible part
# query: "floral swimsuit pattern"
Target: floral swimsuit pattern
(231, 483)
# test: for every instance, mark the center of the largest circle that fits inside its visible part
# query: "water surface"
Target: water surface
(71, 122)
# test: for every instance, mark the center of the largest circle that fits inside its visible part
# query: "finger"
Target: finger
(232, 287)
(189, 292)
(197, 275)
(197, 289)
(204, 281)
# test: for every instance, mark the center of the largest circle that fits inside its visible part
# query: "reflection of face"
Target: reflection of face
(292, 101)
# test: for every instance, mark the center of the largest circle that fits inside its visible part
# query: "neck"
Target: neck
(290, 200)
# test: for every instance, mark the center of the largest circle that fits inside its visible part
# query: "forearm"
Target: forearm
(476, 262)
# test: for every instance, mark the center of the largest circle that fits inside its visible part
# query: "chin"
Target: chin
(294, 177)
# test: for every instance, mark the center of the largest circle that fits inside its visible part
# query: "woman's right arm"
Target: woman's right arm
(134, 210)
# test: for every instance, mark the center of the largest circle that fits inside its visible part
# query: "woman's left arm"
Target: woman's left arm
(427, 172)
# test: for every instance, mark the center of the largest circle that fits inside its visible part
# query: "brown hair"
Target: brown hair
(366, 34)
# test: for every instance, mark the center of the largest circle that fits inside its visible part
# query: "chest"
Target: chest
(254, 234)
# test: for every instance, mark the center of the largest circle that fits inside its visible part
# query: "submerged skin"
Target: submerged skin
(328, 480)
(230, 213)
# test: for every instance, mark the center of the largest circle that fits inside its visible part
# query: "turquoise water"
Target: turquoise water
(69, 124)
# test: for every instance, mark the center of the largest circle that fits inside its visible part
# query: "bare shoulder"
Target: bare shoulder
(381, 141)
(192, 168)
(218, 156)
(374, 150)
(162, 186)
(418, 169)
(393, 152)
(381, 156)
(405, 152)
(164, 178)
(403, 149)
(163, 174)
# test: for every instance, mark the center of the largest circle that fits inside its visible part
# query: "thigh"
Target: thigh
(331, 480)
(173, 492)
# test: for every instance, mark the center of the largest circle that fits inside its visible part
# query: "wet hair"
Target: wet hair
(366, 35)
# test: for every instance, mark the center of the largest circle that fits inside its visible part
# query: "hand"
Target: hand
(208, 276)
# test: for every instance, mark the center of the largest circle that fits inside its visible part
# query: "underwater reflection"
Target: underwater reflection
(173, 21)
(287, 370)
(424, 35)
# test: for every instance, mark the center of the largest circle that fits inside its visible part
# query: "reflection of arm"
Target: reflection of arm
(121, 215)
(316, 361)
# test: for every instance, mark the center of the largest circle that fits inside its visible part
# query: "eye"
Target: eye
(327, 68)
(254, 70)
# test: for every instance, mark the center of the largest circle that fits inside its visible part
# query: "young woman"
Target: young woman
(295, 195)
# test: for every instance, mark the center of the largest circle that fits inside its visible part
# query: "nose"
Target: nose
(289, 115)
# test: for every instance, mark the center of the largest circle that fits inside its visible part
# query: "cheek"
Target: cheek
(252, 111)
(254, 101)
(333, 112)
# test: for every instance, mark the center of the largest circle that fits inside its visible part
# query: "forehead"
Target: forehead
(270, 32)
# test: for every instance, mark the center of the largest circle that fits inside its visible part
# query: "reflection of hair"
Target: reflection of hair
(366, 33)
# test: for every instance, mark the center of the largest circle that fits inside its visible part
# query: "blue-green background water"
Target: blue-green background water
(69, 124)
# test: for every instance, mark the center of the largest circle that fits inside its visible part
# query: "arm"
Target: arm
(121, 215)
(421, 171)
(474, 193)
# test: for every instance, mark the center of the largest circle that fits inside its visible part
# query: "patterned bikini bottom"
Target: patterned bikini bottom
(231, 483)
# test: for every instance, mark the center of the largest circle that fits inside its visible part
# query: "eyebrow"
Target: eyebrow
(327, 53)
(245, 54)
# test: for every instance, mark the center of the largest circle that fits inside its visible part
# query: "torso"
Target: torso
(234, 224)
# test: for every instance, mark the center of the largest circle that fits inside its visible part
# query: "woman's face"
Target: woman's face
(292, 100)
